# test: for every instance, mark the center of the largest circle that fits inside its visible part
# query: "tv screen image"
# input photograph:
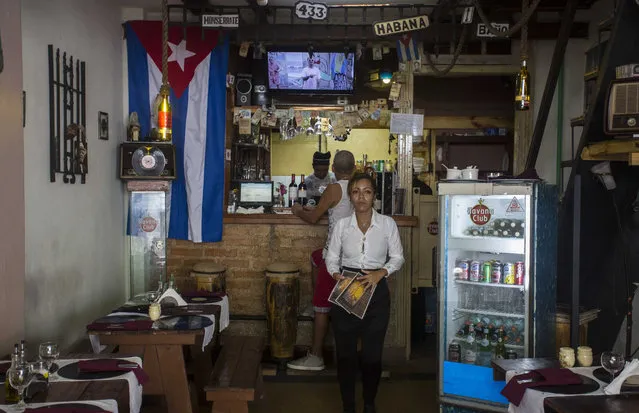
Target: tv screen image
(321, 72)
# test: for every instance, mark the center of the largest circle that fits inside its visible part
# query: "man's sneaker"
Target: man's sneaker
(309, 363)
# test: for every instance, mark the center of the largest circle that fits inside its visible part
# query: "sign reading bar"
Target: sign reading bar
(408, 24)
(220, 20)
(482, 29)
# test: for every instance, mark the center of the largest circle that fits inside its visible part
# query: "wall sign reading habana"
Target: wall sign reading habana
(220, 20)
(401, 25)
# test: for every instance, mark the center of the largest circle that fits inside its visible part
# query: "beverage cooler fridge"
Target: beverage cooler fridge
(497, 285)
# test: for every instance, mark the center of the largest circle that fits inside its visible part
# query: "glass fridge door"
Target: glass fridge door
(484, 291)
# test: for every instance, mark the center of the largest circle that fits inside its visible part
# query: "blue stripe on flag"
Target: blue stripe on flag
(179, 220)
(213, 200)
(138, 74)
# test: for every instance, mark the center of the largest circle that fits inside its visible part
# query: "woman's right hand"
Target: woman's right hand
(337, 276)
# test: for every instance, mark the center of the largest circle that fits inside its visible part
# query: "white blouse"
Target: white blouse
(379, 247)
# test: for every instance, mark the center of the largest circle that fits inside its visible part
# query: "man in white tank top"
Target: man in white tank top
(336, 201)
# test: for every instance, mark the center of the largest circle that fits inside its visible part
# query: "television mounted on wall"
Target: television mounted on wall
(320, 72)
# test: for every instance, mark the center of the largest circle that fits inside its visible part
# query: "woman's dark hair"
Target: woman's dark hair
(359, 177)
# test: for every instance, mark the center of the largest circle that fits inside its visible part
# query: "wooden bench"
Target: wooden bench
(237, 375)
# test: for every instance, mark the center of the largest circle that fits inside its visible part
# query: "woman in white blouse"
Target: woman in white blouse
(369, 243)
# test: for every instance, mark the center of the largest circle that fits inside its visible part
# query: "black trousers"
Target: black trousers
(372, 331)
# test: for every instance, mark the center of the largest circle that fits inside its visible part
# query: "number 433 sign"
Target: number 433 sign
(306, 10)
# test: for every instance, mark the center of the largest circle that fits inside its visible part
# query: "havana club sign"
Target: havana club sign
(408, 24)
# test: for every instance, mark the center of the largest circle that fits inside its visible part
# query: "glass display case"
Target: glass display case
(490, 302)
(148, 231)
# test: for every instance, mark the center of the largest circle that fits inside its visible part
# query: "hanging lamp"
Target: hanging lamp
(522, 84)
(164, 117)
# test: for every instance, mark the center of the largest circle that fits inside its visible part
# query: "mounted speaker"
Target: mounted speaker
(622, 116)
(147, 160)
(243, 88)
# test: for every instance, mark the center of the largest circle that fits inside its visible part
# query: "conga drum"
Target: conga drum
(209, 276)
(282, 299)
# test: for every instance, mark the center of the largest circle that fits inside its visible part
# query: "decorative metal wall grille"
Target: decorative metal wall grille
(67, 117)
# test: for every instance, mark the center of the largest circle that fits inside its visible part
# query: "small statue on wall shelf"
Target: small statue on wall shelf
(133, 132)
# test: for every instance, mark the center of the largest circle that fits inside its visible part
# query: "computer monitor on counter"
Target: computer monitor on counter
(256, 194)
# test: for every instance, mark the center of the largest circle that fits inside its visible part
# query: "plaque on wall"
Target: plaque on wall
(147, 160)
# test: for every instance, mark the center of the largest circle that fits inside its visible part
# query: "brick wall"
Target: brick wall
(245, 251)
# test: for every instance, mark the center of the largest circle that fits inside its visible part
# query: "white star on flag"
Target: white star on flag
(179, 53)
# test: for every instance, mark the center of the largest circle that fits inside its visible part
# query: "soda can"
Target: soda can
(520, 271)
(454, 352)
(461, 269)
(496, 273)
(511, 354)
(508, 271)
(486, 271)
(475, 270)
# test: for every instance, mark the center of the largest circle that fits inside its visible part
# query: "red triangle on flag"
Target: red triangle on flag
(197, 47)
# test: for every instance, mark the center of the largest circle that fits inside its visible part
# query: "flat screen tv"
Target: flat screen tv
(320, 72)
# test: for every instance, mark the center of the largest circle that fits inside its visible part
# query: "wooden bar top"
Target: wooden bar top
(290, 219)
(622, 403)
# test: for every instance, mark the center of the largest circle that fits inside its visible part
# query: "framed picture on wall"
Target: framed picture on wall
(103, 126)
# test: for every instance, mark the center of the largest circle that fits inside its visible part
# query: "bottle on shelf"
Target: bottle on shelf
(23, 351)
(500, 348)
(485, 351)
(469, 348)
(11, 395)
(292, 192)
(301, 192)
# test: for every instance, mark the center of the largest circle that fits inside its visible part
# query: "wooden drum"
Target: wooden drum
(282, 299)
(209, 277)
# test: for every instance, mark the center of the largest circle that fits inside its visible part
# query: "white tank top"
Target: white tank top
(343, 209)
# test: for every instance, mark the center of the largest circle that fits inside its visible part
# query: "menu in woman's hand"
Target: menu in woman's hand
(351, 294)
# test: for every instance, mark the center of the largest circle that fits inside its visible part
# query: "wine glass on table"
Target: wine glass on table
(612, 362)
(20, 376)
(49, 352)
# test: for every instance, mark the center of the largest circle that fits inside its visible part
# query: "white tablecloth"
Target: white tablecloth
(135, 389)
(106, 405)
(533, 400)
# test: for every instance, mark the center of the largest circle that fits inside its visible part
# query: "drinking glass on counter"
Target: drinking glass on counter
(20, 376)
(48, 352)
(612, 362)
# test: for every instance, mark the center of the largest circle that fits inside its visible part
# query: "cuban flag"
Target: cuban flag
(407, 49)
(197, 67)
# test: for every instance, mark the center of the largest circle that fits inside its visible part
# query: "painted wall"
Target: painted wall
(11, 183)
(296, 155)
(74, 236)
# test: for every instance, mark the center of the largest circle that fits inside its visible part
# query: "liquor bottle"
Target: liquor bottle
(23, 351)
(500, 349)
(522, 88)
(301, 192)
(164, 116)
(485, 351)
(470, 346)
(11, 395)
(292, 192)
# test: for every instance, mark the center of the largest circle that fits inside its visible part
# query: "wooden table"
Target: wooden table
(164, 359)
(500, 367)
(623, 403)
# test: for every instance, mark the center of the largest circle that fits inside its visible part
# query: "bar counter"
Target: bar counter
(251, 242)
(290, 219)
